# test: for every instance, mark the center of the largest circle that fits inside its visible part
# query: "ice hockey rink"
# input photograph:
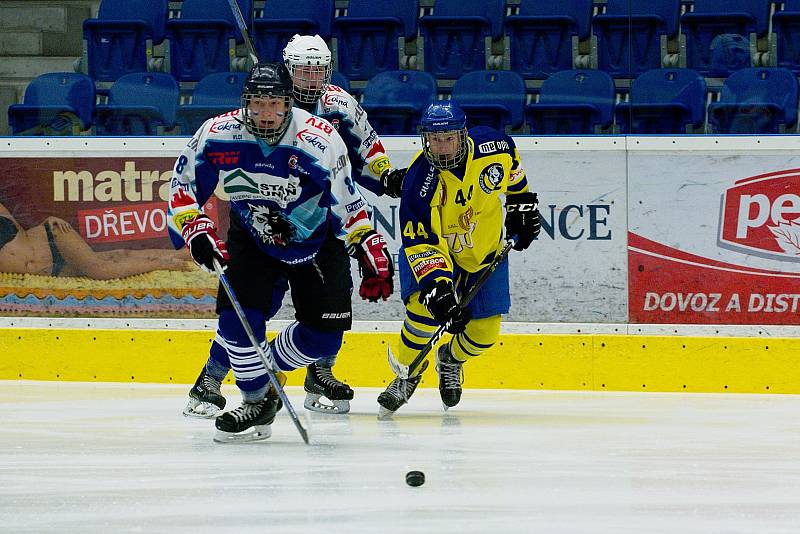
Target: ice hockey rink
(79, 457)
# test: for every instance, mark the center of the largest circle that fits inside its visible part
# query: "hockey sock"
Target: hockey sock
(218, 363)
(418, 328)
(477, 338)
(249, 370)
(299, 345)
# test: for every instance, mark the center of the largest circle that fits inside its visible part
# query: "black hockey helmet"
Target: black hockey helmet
(268, 81)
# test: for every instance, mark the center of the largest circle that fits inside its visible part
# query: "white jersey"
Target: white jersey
(364, 147)
(304, 180)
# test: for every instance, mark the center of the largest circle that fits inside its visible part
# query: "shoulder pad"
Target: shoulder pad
(489, 141)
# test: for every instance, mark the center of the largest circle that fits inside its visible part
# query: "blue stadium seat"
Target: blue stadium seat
(629, 34)
(711, 18)
(200, 40)
(368, 36)
(454, 37)
(493, 98)
(337, 78)
(755, 101)
(573, 102)
(395, 100)
(664, 101)
(57, 102)
(214, 95)
(786, 26)
(120, 40)
(282, 19)
(139, 104)
(541, 35)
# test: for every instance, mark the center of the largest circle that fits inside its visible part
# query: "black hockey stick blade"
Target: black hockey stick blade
(465, 300)
(270, 371)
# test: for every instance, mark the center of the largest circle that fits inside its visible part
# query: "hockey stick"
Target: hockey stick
(237, 14)
(405, 371)
(270, 371)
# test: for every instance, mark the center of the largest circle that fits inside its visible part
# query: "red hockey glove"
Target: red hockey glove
(375, 265)
(204, 244)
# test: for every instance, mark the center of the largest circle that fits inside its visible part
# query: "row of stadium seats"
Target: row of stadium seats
(535, 38)
(573, 102)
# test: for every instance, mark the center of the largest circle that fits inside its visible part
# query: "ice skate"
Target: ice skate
(398, 393)
(205, 399)
(249, 422)
(320, 383)
(451, 376)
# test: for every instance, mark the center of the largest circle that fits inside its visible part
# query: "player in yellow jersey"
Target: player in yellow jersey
(451, 216)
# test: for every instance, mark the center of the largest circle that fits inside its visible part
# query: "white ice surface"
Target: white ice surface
(121, 458)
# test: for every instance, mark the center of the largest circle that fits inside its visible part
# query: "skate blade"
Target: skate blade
(313, 403)
(203, 410)
(258, 433)
(384, 413)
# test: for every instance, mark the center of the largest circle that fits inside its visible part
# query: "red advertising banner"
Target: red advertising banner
(733, 253)
(88, 237)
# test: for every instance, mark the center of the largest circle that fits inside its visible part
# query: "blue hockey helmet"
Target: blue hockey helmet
(443, 130)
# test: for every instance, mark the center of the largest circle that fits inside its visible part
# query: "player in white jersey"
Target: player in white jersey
(308, 60)
(296, 215)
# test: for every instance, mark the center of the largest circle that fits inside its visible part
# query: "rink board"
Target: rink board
(588, 360)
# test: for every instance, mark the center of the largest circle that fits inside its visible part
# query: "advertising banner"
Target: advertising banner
(714, 237)
(92, 214)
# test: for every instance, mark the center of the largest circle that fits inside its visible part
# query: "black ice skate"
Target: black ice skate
(451, 376)
(257, 417)
(205, 399)
(320, 382)
(398, 393)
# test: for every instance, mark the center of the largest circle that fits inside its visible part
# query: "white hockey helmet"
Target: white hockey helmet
(308, 60)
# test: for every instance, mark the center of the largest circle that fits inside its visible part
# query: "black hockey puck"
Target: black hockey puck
(415, 478)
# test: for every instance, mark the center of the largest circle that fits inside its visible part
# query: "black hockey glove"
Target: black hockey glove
(522, 219)
(392, 182)
(200, 235)
(441, 301)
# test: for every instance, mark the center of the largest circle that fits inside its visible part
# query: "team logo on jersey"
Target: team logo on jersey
(458, 241)
(270, 225)
(293, 161)
(465, 218)
(260, 186)
(491, 177)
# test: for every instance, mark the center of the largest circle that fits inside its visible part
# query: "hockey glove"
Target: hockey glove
(392, 182)
(522, 219)
(204, 244)
(375, 265)
(441, 301)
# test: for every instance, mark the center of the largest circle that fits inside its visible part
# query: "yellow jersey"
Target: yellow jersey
(456, 217)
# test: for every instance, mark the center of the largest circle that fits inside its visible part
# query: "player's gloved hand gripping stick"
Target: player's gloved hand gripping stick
(270, 371)
(406, 371)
